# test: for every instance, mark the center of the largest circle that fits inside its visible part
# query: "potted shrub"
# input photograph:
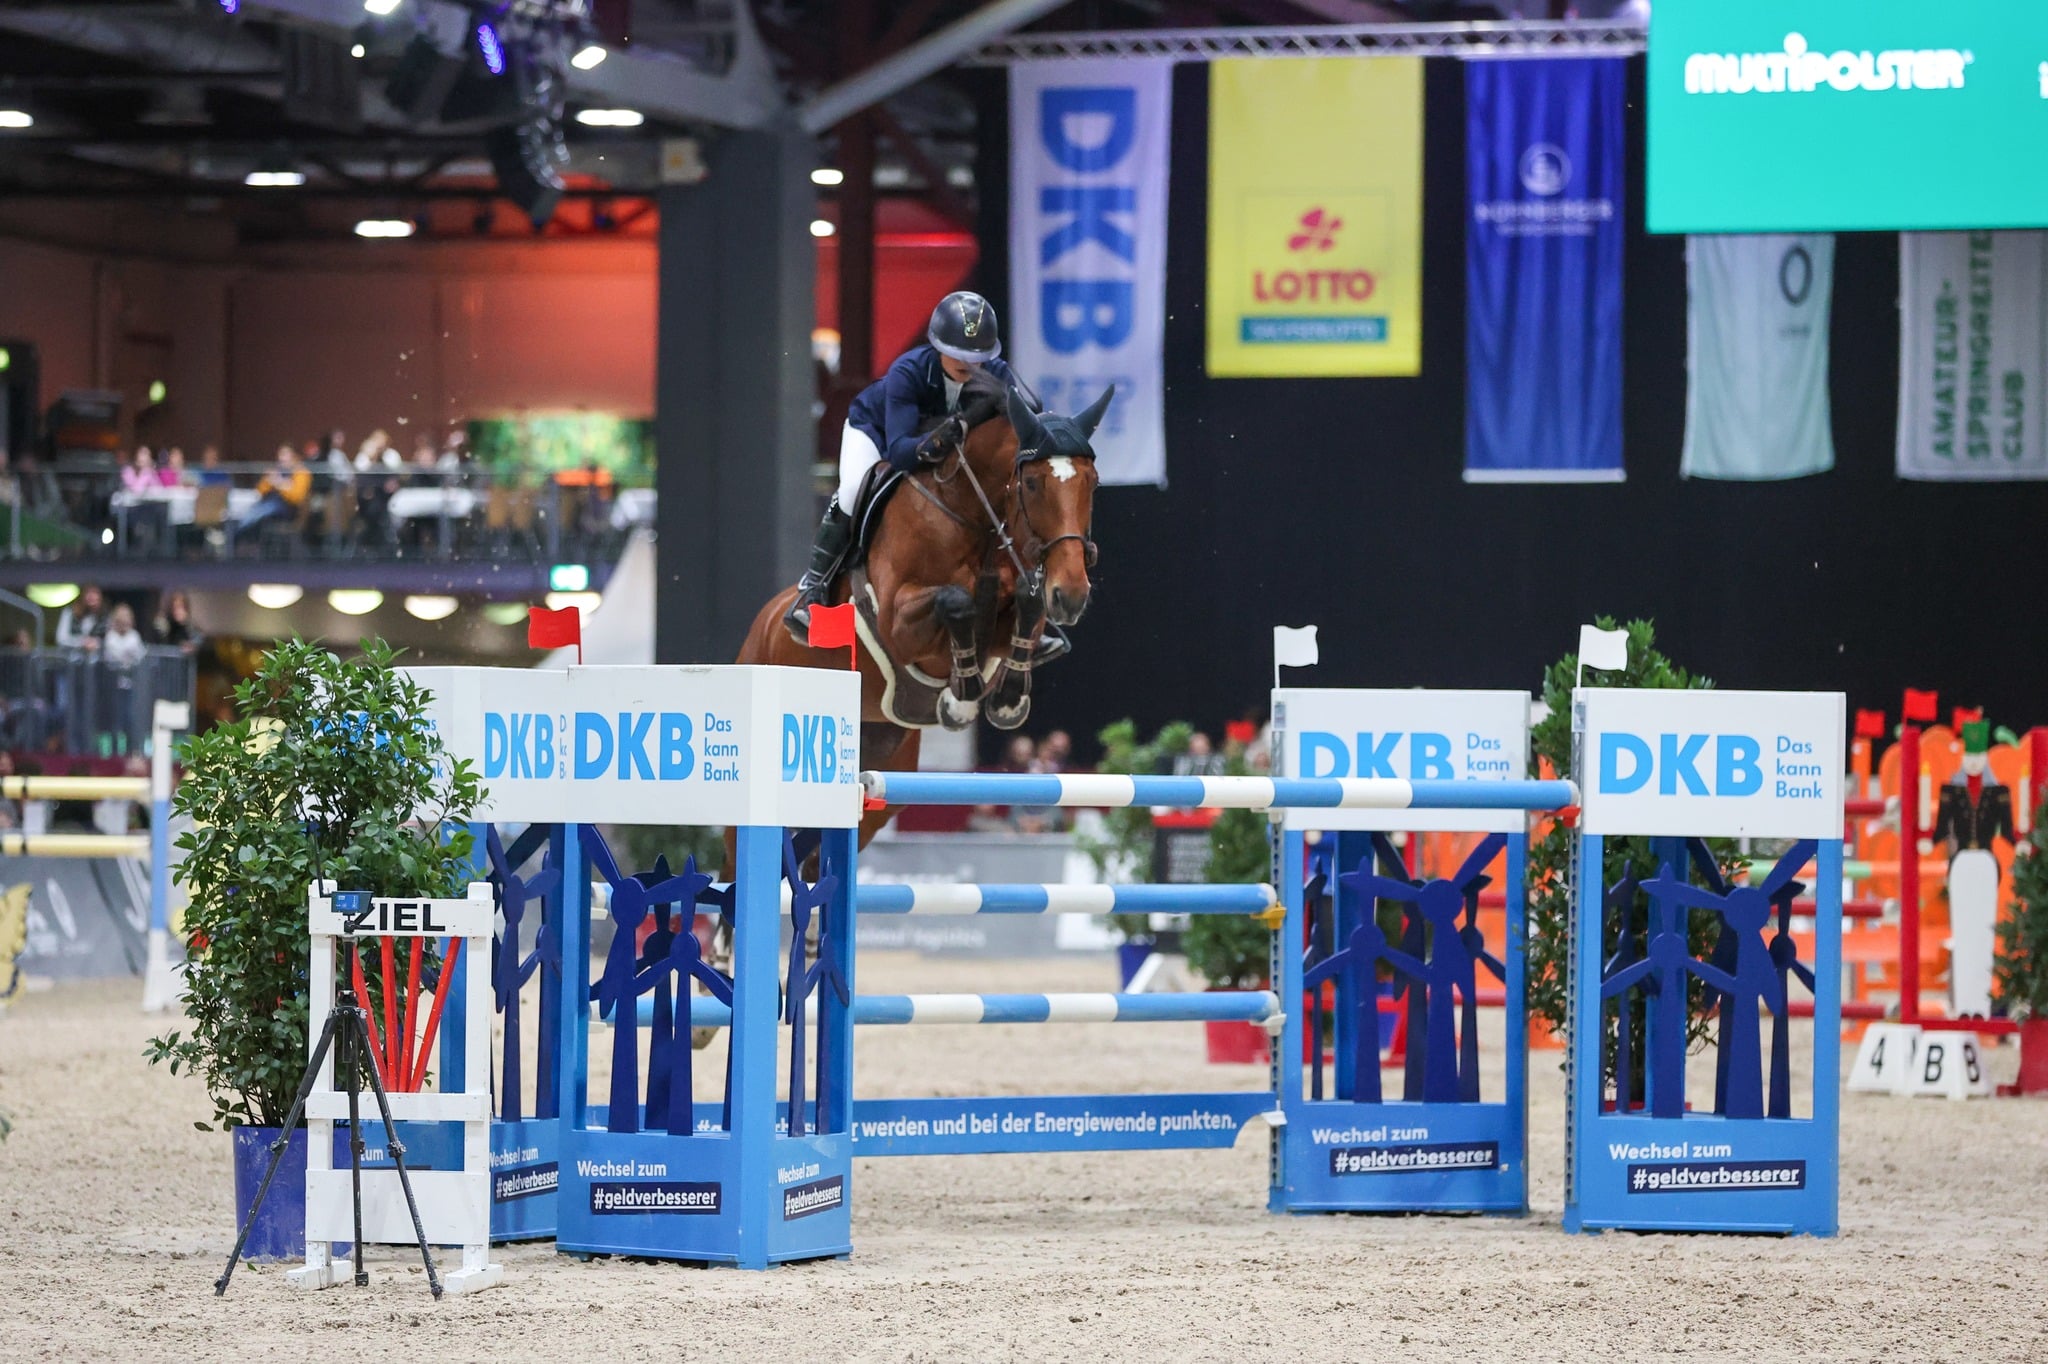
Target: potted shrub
(328, 770)
(2021, 975)
(1125, 848)
(1550, 889)
(1234, 951)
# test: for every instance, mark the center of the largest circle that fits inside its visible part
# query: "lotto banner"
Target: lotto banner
(1971, 360)
(1315, 217)
(1088, 161)
(1543, 266)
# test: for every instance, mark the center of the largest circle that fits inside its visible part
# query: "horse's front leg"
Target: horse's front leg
(1009, 699)
(951, 609)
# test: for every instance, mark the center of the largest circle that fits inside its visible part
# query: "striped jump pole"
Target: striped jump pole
(74, 845)
(950, 898)
(1247, 1006)
(1221, 793)
(74, 788)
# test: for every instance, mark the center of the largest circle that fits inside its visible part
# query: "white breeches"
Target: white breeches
(857, 455)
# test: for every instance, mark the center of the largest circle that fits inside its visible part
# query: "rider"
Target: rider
(926, 381)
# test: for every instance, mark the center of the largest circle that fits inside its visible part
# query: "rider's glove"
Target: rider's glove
(943, 440)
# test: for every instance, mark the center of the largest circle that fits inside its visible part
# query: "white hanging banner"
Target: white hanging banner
(1088, 153)
(1971, 363)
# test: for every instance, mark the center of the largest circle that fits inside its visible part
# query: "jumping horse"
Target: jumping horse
(968, 562)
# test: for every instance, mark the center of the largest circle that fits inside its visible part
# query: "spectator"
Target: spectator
(335, 446)
(336, 464)
(1201, 759)
(1056, 753)
(173, 624)
(427, 455)
(1020, 756)
(10, 813)
(373, 493)
(138, 476)
(374, 453)
(282, 492)
(22, 639)
(123, 647)
(174, 474)
(80, 625)
(210, 473)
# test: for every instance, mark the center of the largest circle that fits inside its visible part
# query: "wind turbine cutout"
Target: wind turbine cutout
(509, 973)
(672, 950)
(617, 989)
(805, 976)
(1628, 950)
(1751, 977)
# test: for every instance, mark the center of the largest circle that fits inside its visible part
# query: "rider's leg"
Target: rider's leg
(857, 454)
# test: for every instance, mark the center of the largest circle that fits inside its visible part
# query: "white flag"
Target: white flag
(1972, 363)
(1088, 163)
(1756, 402)
(1603, 649)
(1294, 646)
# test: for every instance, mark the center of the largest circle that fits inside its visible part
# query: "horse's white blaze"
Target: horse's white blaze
(1062, 467)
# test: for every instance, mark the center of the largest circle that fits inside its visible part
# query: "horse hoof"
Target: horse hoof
(1003, 717)
(955, 713)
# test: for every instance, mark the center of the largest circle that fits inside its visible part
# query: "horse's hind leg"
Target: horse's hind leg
(961, 701)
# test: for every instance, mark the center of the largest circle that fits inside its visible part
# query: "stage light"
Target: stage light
(275, 596)
(356, 51)
(16, 118)
(588, 56)
(569, 578)
(822, 227)
(385, 227)
(274, 171)
(53, 596)
(158, 391)
(355, 601)
(828, 176)
(610, 118)
(230, 6)
(431, 608)
(506, 612)
(585, 602)
(528, 158)
(490, 48)
(381, 8)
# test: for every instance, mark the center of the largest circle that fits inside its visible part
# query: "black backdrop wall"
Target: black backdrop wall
(1340, 503)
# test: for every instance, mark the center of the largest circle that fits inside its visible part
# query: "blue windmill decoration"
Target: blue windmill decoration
(1661, 973)
(673, 949)
(806, 977)
(1356, 964)
(1629, 949)
(618, 988)
(1746, 977)
(1315, 897)
(1449, 971)
(510, 972)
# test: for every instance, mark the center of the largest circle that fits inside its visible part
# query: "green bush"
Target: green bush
(1550, 888)
(2022, 974)
(321, 745)
(1233, 951)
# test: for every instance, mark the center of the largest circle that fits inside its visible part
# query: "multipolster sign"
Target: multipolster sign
(727, 745)
(1706, 764)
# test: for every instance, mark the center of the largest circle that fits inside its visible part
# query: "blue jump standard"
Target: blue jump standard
(1242, 793)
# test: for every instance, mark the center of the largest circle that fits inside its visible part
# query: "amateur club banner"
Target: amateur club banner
(1088, 154)
(1971, 360)
(1315, 217)
(1543, 263)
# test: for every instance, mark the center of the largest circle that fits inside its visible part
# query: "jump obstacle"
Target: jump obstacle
(760, 1173)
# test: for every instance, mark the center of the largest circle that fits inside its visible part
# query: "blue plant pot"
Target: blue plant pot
(280, 1230)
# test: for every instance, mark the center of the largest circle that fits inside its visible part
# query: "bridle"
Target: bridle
(1005, 541)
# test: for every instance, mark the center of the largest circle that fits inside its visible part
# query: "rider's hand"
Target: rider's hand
(943, 440)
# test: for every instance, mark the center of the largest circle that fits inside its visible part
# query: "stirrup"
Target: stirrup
(1049, 647)
(797, 619)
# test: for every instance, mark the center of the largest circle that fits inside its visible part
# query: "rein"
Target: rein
(1004, 540)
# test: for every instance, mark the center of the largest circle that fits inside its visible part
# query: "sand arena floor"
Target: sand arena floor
(115, 1219)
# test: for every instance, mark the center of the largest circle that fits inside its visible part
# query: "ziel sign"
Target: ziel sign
(1711, 763)
(1847, 115)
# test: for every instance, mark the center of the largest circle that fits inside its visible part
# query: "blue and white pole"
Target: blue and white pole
(160, 984)
(1221, 793)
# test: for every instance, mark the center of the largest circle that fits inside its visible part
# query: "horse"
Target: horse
(971, 559)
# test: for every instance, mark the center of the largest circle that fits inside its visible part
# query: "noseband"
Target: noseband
(1004, 540)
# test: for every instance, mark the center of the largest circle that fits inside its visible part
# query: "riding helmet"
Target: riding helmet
(964, 327)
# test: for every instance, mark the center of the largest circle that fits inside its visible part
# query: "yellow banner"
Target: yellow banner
(1315, 217)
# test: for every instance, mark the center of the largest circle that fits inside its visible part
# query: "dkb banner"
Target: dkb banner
(1543, 264)
(1315, 217)
(1088, 247)
(1756, 404)
(1970, 355)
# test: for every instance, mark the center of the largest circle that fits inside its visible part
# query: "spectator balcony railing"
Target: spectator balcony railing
(74, 701)
(404, 512)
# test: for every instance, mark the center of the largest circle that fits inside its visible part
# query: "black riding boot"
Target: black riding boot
(835, 533)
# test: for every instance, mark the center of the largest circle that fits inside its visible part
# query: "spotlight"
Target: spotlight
(381, 8)
(610, 118)
(490, 48)
(275, 596)
(230, 6)
(357, 51)
(355, 601)
(431, 607)
(588, 56)
(385, 227)
(16, 118)
(274, 171)
(528, 159)
(828, 176)
(822, 227)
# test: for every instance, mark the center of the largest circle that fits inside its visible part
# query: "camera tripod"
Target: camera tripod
(346, 1032)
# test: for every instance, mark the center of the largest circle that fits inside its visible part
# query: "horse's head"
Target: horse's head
(1056, 499)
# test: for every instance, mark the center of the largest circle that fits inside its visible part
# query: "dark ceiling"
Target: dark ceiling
(177, 101)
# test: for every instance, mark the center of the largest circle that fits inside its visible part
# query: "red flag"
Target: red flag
(1870, 724)
(1240, 732)
(1921, 705)
(547, 629)
(1964, 715)
(832, 628)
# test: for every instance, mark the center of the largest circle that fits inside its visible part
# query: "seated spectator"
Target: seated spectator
(1021, 756)
(138, 476)
(1056, 753)
(173, 624)
(80, 625)
(210, 473)
(1200, 760)
(174, 474)
(123, 645)
(282, 491)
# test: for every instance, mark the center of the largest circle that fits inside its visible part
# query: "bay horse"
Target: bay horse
(971, 558)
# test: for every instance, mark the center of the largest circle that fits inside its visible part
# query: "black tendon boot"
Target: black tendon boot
(835, 533)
